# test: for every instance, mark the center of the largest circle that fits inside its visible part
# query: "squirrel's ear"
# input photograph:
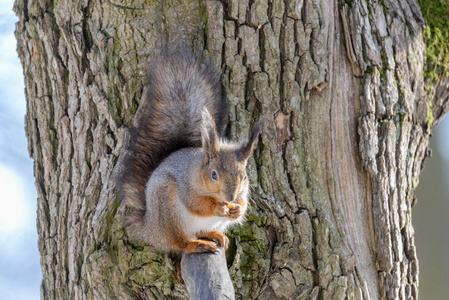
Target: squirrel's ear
(245, 151)
(209, 136)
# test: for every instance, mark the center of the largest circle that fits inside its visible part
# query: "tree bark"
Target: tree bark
(341, 87)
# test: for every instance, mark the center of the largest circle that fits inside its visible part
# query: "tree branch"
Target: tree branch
(206, 276)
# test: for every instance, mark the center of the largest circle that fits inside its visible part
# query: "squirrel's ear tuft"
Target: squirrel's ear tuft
(245, 151)
(209, 136)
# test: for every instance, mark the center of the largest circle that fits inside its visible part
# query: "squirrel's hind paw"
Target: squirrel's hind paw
(214, 235)
(200, 246)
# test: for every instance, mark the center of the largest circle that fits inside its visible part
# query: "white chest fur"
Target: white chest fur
(196, 224)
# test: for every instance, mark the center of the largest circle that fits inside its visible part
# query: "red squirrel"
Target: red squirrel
(184, 184)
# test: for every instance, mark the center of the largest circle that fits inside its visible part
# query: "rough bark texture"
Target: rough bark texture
(341, 86)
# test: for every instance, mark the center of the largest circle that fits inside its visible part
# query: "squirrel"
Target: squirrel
(185, 185)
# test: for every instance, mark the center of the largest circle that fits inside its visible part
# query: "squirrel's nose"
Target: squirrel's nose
(231, 196)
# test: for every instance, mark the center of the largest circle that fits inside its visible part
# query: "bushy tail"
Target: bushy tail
(169, 119)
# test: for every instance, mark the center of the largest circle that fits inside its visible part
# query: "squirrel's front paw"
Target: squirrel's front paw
(235, 211)
(221, 210)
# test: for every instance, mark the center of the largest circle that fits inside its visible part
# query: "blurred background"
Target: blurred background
(20, 274)
(431, 218)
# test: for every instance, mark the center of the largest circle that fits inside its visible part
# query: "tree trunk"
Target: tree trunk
(347, 124)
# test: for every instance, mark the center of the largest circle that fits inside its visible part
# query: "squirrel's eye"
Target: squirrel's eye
(244, 178)
(214, 176)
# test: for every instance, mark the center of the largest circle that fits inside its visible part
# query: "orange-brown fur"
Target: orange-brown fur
(204, 206)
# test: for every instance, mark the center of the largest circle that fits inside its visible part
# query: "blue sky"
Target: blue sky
(20, 274)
